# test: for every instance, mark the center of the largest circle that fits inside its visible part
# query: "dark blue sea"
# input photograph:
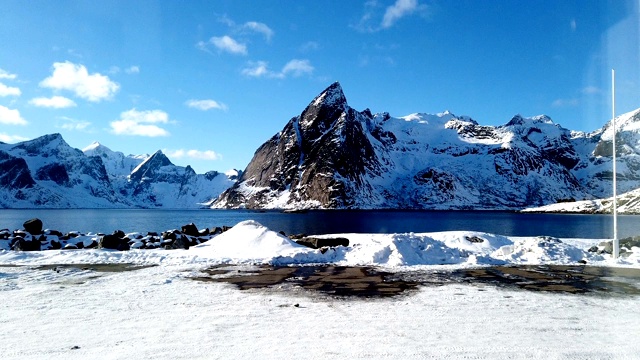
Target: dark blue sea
(327, 222)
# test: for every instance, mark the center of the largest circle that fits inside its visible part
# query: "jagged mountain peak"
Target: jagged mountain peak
(93, 146)
(331, 96)
(150, 166)
(519, 120)
(323, 111)
(50, 143)
(158, 159)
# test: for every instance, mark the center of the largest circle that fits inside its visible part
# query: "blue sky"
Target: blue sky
(209, 81)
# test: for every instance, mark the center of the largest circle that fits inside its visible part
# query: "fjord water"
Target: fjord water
(329, 222)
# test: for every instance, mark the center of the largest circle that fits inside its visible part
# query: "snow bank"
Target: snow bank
(250, 242)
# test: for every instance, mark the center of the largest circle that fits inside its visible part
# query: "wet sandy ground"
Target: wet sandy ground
(371, 282)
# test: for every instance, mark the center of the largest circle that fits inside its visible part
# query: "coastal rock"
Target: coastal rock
(190, 229)
(474, 239)
(20, 244)
(317, 243)
(33, 226)
(112, 242)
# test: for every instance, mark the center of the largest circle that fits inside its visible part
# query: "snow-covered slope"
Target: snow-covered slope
(332, 156)
(595, 169)
(156, 182)
(47, 172)
(115, 162)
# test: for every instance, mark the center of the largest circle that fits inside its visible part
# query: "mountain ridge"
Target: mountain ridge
(333, 156)
(47, 172)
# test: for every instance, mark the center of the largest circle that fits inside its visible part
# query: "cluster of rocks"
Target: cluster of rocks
(626, 246)
(34, 238)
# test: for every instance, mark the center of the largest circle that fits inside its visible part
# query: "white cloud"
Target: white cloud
(73, 124)
(228, 44)
(75, 77)
(9, 90)
(132, 70)
(11, 117)
(591, 90)
(192, 154)
(206, 104)
(400, 9)
(559, 103)
(573, 24)
(78, 126)
(295, 67)
(309, 46)
(256, 69)
(56, 102)
(6, 138)
(141, 123)
(6, 75)
(259, 28)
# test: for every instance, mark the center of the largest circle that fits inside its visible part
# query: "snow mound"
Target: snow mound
(540, 250)
(248, 241)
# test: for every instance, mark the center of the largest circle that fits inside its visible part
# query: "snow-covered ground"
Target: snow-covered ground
(161, 312)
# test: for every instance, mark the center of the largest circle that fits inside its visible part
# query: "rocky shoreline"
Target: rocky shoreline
(34, 238)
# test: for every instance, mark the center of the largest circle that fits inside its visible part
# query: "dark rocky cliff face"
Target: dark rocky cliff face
(14, 172)
(319, 157)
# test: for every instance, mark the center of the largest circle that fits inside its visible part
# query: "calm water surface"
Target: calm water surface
(327, 222)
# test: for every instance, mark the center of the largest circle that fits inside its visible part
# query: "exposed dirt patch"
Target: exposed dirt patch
(371, 282)
(332, 280)
(558, 278)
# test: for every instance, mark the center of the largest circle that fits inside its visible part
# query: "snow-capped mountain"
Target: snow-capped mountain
(47, 172)
(115, 162)
(332, 156)
(158, 182)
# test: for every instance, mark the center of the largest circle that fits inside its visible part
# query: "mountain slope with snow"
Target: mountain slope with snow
(333, 156)
(47, 172)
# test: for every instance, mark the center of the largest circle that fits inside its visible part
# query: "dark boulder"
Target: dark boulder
(119, 233)
(20, 244)
(215, 231)
(113, 242)
(53, 232)
(180, 242)
(33, 226)
(474, 239)
(190, 229)
(317, 243)
(55, 245)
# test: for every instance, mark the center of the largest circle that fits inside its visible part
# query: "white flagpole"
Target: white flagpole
(616, 244)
